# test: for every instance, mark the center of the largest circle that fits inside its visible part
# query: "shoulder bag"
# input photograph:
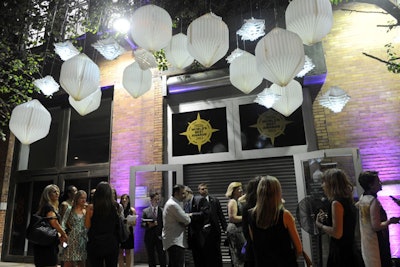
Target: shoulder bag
(40, 232)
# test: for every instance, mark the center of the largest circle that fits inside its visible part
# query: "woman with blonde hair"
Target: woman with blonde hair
(340, 221)
(48, 207)
(272, 228)
(234, 230)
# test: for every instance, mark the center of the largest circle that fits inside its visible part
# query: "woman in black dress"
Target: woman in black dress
(48, 207)
(126, 248)
(340, 220)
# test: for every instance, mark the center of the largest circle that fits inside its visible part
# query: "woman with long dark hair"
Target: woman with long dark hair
(126, 248)
(102, 221)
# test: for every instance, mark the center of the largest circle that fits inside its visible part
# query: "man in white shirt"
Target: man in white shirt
(175, 220)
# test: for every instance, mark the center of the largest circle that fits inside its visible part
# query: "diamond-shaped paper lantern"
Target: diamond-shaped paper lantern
(280, 56)
(334, 99)
(109, 48)
(151, 27)
(267, 98)
(243, 73)
(30, 122)
(177, 53)
(80, 76)
(208, 39)
(65, 50)
(88, 104)
(47, 85)
(145, 59)
(135, 80)
(291, 97)
(310, 19)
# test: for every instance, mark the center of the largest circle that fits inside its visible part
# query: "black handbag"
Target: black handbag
(40, 232)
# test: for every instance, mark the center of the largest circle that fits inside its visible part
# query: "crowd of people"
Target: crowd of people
(260, 230)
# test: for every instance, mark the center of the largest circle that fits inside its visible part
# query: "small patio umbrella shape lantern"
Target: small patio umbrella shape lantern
(65, 50)
(80, 77)
(135, 80)
(335, 99)
(208, 39)
(47, 85)
(30, 122)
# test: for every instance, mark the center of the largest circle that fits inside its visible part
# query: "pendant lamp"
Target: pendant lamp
(335, 99)
(47, 85)
(30, 122)
(280, 56)
(109, 48)
(235, 54)
(65, 50)
(145, 59)
(151, 27)
(267, 98)
(88, 104)
(291, 97)
(177, 53)
(312, 20)
(243, 73)
(80, 77)
(208, 39)
(135, 80)
(252, 29)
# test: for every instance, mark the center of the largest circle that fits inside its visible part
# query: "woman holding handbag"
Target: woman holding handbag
(48, 207)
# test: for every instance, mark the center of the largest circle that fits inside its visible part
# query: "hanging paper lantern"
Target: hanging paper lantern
(151, 27)
(291, 97)
(135, 80)
(235, 54)
(65, 50)
(145, 59)
(280, 56)
(335, 99)
(177, 53)
(252, 29)
(267, 98)
(109, 48)
(47, 85)
(30, 122)
(312, 20)
(80, 76)
(243, 73)
(208, 39)
(88, 104)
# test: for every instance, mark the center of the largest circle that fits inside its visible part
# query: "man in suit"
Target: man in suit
(216, 220)
(153, 223)
(198, 209)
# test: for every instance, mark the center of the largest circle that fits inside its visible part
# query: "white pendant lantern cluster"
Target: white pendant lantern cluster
(30, 122)
(252, 29)
(80, 76)
(65, 50)
(335, 99)
(47, 85)
(177, 53)
(151, 27)
(280, 56)
(135, 80)
(267, 98)
(243, 73)
(208, 39)
(312, 20)
(291, 97)
(88, 104)
(109, 48)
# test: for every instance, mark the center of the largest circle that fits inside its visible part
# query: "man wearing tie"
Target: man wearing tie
(198, 209)
(212, 244)
(153, 223)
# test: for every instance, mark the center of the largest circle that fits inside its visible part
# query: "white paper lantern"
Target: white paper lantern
(30, 122)
(88, 104)
(135, 80)
(280, 56)
(177, 53)
(145, 59)
(109, 48)
(208, 39)
(234, 54)
(267, 98)
(243, 73)
(291, 97)
(47, 85)
(335, 99)
(65, 50)
(312, 20)
(252, 29)
(80, 76)
(151, 27)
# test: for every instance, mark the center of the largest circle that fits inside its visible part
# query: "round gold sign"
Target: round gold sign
(271, 124)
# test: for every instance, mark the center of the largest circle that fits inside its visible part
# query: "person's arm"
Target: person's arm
(89, 214)
(336, 230)
(133, 213)
(376, 223)
(289, 223)
(180, 215)
(56, 225)
(232, 212)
